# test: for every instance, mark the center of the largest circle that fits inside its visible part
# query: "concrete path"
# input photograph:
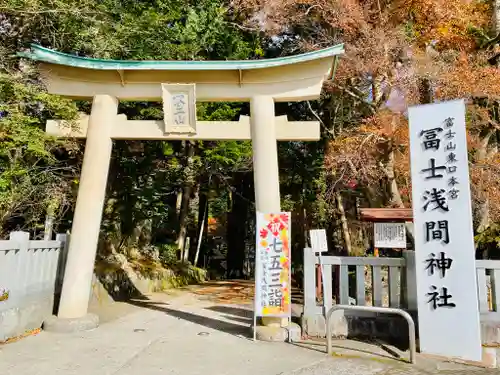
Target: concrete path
(187, 336)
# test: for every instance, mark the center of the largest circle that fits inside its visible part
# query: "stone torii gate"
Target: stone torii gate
(179, 84)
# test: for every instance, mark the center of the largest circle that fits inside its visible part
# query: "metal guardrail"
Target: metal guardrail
(383, 310)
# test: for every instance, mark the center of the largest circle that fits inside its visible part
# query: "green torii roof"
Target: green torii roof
(39, 53)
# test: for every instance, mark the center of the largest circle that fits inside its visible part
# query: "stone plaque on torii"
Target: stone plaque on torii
(179, 85)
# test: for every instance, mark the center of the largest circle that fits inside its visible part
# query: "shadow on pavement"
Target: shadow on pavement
(219, 325)
(353, 349)
(235, 311)
(239, 319)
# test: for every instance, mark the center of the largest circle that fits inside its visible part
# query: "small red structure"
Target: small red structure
(374, 215)
(381, 215)
(384, 215)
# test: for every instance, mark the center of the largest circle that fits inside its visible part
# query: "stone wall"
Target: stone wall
(490, 336)
(28, 273)
(356, 325)
(26, 314)
(124, 278)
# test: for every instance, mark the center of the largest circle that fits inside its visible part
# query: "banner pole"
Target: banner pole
(256, 274)
(254, 327)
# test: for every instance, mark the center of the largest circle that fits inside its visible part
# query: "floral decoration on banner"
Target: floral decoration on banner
(274, 241)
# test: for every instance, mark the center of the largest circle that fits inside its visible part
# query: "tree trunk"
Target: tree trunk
(187, 247)
(396, 198)
(484, 215)
(299, 238)
(178, 204)
(496, 16)
(484, 210)
(483, 149)
(202, 218)
(377, 93)
(484, 207)
(139, 237)
(186, 198)
(236, 226)
(49, 223)
(50, 218)
(343, 221)
(427, 91)
(142, 233)
(305, 225)
(183, 219)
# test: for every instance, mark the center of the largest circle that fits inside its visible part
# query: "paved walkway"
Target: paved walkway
(188, 335)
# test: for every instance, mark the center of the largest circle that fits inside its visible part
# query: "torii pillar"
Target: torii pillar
(179, 84)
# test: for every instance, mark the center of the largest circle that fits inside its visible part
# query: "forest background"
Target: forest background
(163, 197)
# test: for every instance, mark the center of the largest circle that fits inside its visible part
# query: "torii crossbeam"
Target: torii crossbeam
(205, 130)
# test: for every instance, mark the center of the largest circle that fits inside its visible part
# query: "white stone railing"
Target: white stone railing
(385, 282)
(29, 272)
(488, 284)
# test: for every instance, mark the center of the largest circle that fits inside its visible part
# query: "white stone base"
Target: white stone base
(58, 325)
(290, 333)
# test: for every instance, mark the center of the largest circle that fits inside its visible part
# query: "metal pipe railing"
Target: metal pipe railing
(383, 310)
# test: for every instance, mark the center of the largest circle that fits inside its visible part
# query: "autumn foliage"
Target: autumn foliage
(398, 53)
